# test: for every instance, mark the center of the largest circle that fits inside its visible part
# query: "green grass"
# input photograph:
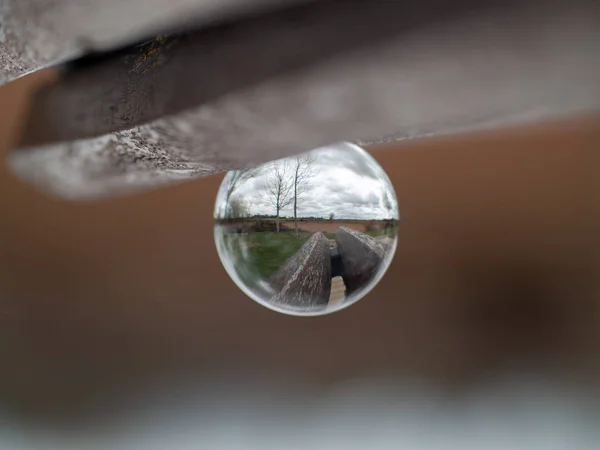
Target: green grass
(377, 233)
(269, 250)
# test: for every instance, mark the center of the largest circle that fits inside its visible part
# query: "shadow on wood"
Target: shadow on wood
(361, 256)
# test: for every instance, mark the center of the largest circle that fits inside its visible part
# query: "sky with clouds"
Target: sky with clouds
(349, 183)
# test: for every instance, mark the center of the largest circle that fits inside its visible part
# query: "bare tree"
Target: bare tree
(280, 186)
(235, 180)
(304, 170)
(331, 216)
(238, 208)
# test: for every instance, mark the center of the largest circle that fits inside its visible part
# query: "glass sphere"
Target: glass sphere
(310, 234)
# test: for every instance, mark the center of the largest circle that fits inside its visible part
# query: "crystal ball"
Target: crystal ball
(310, 234)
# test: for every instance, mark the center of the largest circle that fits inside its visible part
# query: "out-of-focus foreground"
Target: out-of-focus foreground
(108, 308)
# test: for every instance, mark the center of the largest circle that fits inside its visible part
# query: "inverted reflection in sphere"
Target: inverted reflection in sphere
(310, 234)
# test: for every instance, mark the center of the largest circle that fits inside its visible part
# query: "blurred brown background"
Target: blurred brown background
(497, 265)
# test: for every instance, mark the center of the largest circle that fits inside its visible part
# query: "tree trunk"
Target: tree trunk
(295, 217)
(296, 199)
(277, 220)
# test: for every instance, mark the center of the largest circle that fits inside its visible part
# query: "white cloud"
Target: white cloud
(349, 183)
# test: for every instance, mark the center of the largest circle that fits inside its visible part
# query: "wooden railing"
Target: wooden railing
(304, 280)
(361, 255)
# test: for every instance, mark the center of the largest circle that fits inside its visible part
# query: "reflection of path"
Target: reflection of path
(338, 291)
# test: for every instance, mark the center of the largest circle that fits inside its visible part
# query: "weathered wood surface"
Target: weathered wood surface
(362, 256)
(305, 278)
(37, 33)
(436, 77)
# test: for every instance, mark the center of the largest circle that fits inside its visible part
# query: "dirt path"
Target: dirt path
(338, 292)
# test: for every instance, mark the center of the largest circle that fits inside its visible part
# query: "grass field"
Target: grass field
(384, 232)
(269, 250)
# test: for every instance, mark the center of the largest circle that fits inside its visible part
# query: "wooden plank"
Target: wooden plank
(305, 278)
(338, 292)
(362, 256)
